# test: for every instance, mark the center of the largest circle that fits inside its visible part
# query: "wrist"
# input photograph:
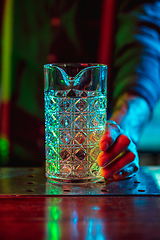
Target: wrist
(131, 112)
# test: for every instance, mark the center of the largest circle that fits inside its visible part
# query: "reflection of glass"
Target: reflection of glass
(52, 228)
(94, 230)
(78, 218)
(75, 115)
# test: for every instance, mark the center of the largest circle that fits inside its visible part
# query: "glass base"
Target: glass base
(74, 180)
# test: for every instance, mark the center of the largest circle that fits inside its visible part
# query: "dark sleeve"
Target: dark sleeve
(137, 50)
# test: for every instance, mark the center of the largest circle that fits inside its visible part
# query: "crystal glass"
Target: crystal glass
(75, 96)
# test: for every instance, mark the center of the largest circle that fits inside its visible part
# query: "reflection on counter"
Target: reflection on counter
(52, 219)
(68, 224)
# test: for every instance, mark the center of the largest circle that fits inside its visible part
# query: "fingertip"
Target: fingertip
(103, 145)
(124, 139)
(99, 159)
(130, 155)
(105, 173)
(105, 141)
(102, 172)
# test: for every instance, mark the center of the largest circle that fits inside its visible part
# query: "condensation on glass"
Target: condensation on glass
(75, 96)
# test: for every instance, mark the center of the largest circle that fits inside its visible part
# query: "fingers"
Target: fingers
(120, 145)
(127, 172)
(119, 157)
(117, 164)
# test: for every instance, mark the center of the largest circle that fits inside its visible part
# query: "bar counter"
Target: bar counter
(33, 208)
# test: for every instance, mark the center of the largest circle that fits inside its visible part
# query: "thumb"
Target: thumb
(112, 131)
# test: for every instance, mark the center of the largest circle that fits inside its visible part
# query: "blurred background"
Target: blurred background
(34, 33)
(149, 144)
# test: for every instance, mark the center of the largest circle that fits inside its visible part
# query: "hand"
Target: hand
(119, 157)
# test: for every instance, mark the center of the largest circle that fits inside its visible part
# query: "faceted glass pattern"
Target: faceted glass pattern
(73, 128)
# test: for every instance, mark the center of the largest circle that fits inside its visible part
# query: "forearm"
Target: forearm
(131, 113)
(136, 59)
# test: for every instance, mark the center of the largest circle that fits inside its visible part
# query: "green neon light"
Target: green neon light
(6, 49)
(4, 151)
(4, 144)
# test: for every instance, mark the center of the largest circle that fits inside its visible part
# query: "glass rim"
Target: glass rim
(72, 64)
